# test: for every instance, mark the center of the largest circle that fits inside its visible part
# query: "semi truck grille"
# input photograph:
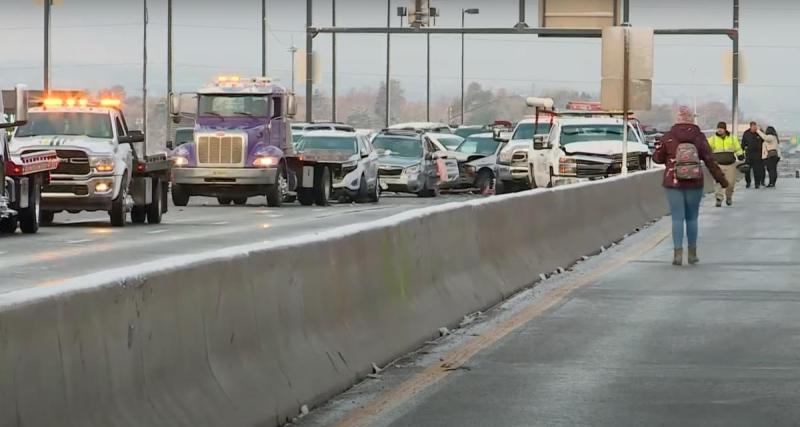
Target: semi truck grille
(220, 150)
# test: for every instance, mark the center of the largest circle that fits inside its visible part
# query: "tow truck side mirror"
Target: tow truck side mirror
(132, 137)
(540, 142)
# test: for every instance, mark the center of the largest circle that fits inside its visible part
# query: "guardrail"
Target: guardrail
(246, 336)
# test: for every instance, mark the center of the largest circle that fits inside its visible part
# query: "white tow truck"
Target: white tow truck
(103, 166)
(583, 146)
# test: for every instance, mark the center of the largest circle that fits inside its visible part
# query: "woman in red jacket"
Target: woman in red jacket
(684, 193)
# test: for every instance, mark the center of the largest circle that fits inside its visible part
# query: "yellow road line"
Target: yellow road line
(457, 357)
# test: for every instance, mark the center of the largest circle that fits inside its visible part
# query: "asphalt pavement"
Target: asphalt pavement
(642, 344)
(79, 244)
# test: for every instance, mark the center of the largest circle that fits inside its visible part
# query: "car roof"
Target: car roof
(590, 121)
(331, 133)
(418, 125)
(481, 135)
(443, 135)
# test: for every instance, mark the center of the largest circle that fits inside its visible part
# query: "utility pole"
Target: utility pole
(46, 82)
(388, 59)
(428, 80)
(263, 37)
(169, 65)
(293, 51)
(735, 68)
(145, 19)
(333, 63)
(521, 23)
(309, 63)
(626, 90)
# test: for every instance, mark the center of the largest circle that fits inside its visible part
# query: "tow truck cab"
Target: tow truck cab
(103, 166)
(242, 138)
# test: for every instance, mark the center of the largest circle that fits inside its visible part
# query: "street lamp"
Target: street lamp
(464, 13)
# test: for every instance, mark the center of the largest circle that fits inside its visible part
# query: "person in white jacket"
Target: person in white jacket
(771, 153)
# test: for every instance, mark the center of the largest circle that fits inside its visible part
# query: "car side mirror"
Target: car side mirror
(132, 137)
(21, 104)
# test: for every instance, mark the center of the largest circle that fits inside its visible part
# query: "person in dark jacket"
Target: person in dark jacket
(752, 144)
(684, 196)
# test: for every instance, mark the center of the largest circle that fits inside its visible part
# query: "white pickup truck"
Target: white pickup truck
(583, 148)
(513, 171)
(103, 166)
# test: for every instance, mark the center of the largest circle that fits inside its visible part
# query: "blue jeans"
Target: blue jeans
(684, 206)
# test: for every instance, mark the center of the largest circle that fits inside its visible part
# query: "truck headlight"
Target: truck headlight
(265, 162)
(180, 161)
(102, 164)
(567, 167)
(505, 157)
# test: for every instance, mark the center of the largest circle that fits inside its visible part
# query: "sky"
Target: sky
(98, 43)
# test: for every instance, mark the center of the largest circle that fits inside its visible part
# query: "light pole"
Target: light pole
(293, 51)
(46, 82)
(388, 60)
(464, 13)
(333, 63)
(694, 93)
(263, 37)
(433, 13)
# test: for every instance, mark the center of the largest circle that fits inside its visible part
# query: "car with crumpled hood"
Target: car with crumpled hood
(408, 162)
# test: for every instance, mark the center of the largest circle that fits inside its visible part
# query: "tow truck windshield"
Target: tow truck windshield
(337, 143)
(233, 106)
(588, 133)
(93, 125)
(399, 146)
(526, 130)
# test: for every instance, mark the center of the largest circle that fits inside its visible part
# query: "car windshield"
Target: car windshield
(182, 136)
(479, 145)
(451, 142)
(338, 143)
(93, 125)
(399, 146)
(586, 133)
(526, 130)
(465, 132)
(233, 106)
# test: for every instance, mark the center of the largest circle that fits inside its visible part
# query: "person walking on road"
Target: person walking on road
(771, 153)
(682, 150)
(753, 145)
(727, 151)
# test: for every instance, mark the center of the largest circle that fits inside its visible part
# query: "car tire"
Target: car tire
(375, 194)
(363, 190)
(180, 197)
(322, 186)
(155, 211)
(277, 191)
(483, 183)
(46, 218)
(29, 217)
(428, 192)
(240, 201)
(224, 201)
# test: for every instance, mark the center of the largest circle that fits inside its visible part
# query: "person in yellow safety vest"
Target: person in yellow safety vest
(727, 152)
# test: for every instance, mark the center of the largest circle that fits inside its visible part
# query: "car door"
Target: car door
(369, 159)
(430, 161)
(450, 162)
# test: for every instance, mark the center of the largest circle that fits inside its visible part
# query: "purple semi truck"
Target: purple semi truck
(242, 144)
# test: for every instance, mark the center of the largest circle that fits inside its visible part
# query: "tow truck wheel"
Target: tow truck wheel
(138, 215)
(276, 192)
(29, 217)
(179, 196)
(46, 217)
(118, 214)
(154, 210)
(322, 186)
(240, 201)
(8, 225)
(224, 201)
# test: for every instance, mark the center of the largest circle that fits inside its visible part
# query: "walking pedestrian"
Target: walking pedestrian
(682, 150)
(771, 153)
(727, 151)
(753, 146)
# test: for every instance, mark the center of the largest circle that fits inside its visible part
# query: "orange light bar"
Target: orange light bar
(110, 103)
(232, 79)
(53, 102)
(83, 102)
(71, 102)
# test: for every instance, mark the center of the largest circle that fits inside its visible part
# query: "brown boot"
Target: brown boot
(678, 258)
(693, 259)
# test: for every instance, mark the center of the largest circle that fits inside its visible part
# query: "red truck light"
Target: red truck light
(13, 169)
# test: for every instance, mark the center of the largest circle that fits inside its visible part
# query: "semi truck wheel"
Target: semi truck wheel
(224, 201)
(8, 225)
(240, 201)
(154, 210)
(46, 217)
(305, 196)
(277, 191)
(322, 186)
(179, 195)
(29, 217)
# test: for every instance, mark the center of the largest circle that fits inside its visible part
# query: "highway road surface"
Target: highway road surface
(634, 342)
(85, 243)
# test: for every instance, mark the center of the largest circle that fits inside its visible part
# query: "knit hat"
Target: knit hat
(722, 125)
(685, 115)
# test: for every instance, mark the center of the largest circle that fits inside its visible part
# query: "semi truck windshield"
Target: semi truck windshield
(234, 106)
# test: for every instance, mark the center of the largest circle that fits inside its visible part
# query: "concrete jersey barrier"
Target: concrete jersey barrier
(244, 337)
